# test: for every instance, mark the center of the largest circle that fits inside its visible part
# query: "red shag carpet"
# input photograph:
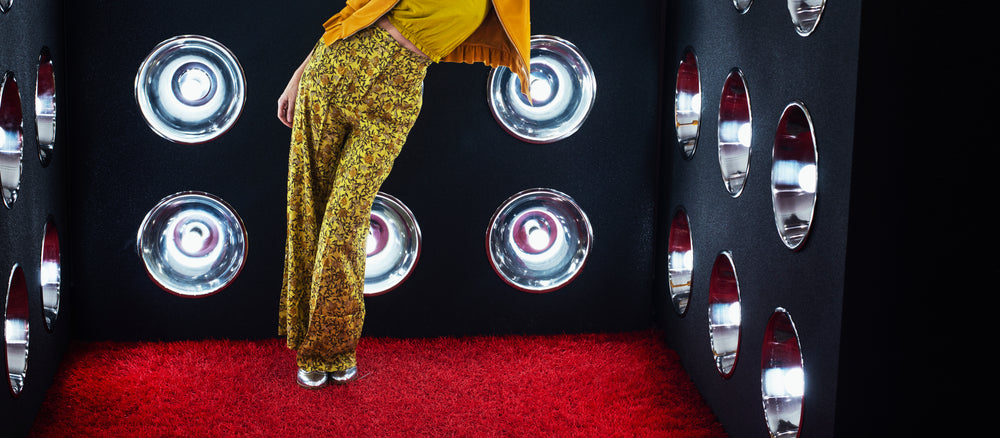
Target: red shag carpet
(625, 384)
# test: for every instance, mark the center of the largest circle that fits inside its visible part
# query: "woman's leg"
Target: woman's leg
(380, 117)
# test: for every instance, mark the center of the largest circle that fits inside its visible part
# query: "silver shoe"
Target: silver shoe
(344, 377)
(311, 379)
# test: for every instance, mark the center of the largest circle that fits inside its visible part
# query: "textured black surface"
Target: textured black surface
(838, 287)
(24, 30)
(457, 167)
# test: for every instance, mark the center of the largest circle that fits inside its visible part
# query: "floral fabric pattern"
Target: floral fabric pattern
(357, 100)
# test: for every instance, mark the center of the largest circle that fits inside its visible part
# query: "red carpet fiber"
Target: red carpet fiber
(626, 384)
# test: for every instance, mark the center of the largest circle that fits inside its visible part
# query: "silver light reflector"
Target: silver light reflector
(190, 89)
(735, 132)
(393, 245)
(192, 244)
(5, 5)
(687, 103)
(782, 379)
(794, 175)
(742, 5)
(12, 140)
(806, 14)
(562, 87)
(724, 314)
(680, 261)
(50, 273)
(16, 330)
(538, 240)
(45, 107)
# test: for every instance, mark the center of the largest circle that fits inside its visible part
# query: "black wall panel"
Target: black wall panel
(24, 30)
(456, 169)
(844, 312)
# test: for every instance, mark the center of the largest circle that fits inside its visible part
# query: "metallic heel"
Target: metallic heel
(311, 379)
(344, 377)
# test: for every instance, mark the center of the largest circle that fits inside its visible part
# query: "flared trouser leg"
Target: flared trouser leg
(357, 101)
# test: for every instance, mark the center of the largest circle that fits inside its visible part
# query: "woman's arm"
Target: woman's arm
(286, 102)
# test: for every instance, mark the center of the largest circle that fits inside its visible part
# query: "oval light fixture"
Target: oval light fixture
(794, 175)
(806, 14)
(687, 103)
(12, 140)
(735, 132)
(192, 244)
(5, 5)
(393, 245)
(190, 89)
(724, 313)
(680, 261)
(782, 379)
(50, 273)
(538, 240)
(45, 107)
(742, 6)
(16, 330)
(562, 87)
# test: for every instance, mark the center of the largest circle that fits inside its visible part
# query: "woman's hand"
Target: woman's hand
(286, 102)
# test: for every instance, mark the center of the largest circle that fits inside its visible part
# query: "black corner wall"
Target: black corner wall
(24, 30)
(842, 287)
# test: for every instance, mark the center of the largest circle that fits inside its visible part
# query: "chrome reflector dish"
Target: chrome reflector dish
(5, 5)
(45, 107)
(393, 245)
(806, 14)
(562, 87)
(794, 175)
(742, 5)
(687, 104)
(782, 379)
(538, 240)
(724, 314)
(15, 330)
(680, 261)
(12, 140)
(192, 244)
(190, 89)
(735, 132)
(50, 273)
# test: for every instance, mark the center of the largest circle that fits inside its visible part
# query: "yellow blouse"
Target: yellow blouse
(437, 27)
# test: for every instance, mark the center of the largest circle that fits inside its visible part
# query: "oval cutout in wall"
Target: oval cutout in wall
(393, 245)
(538, 240)
(794, 175)
(562, 87)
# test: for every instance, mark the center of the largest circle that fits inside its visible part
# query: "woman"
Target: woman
(351, 105)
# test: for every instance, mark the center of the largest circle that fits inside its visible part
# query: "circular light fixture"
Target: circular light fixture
(50, 272)
(687, 103)
(562, 87)
(16, 330)
(742, 5)
(680, 261)
(12, 140)
(190, 89)
(735, 132)
(794, 175)
(45, 107)
(782, 379)
(192, 243)
(806, 14)
(538, 240)
(724, 314)
(393, 245)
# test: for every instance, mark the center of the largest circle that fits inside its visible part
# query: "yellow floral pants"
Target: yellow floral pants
(357, 100)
